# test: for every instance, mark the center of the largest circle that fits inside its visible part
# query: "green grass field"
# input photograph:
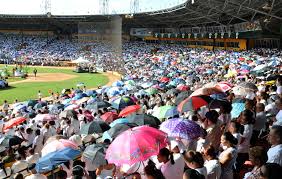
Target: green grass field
(28, 90)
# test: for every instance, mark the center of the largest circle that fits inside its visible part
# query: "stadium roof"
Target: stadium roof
(201, 13)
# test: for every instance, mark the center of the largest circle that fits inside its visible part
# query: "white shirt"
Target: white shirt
(36, 176)
(274, 154)
(2, 173)
(68, 131)
(245, 146)
(179, 164)
(202, 171)
(278, 118)
(213, 169)
(238, 137)
(38, 143)
(76, 124)
(171, 171)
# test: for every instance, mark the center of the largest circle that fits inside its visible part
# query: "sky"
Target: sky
(80, 7)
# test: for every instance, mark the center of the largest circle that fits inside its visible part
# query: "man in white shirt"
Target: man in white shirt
(278, 117)
(33, 158)
(274, 154)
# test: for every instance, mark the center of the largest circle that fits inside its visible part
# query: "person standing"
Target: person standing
(35, 72)
(275, 139)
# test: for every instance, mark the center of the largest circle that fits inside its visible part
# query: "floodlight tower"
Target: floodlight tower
(134, 6)
(104, 6)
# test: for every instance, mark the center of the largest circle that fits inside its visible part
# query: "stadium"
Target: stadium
(141, 89)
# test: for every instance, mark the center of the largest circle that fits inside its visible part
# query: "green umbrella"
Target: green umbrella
(31, 103)
(130, 82)
(165, 112)
(151, 91)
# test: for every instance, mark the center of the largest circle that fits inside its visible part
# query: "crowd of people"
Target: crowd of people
(233, 100)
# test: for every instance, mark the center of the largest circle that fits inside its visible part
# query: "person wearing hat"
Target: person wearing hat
(34, 174)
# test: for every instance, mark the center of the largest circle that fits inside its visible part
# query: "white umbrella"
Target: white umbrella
(260, 67)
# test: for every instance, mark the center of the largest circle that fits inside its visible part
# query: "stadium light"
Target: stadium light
(193, 1)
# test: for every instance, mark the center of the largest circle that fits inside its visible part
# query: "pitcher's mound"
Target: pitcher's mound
(46, 77)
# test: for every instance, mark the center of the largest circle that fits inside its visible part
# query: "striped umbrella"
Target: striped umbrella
(193, 103)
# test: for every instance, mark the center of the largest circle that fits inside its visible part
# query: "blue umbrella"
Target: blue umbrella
(92, 101)
(237, 107)
(119, 121)
(118, 83)
(66, 101)
(51, 160)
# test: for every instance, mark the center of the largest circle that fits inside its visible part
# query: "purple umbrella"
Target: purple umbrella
(181, 128)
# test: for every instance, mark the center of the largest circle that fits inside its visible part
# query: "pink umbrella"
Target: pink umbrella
(58, 145)
(44, 117)
(135, 145)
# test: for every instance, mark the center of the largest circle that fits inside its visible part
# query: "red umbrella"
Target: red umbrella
(183, 88)
(193, 103)
(242, 59)
(13, 122)
(109, 116)
(164, 79)
(224, 86)
(129, 110)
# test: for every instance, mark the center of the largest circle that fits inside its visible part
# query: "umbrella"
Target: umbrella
(119, 121)
(94, 127)
(223, 86)
(44, 117)
(217, 103)
(206, 91)
(238, 106)
(10, 140)
(138, 144)
(193, 103)
(14, 122)
(172, 91)
(181, 96)
(151, 91)
(56, 145)
(183, 88)
(67, 114)
(95, 153)
(122, 102)
(116, 130)
(114, 91)
(260, 67)
(31, 103)
(71, 107)
(130, 82)
(181, 128)
(50, 161)
(98, 105)
(109, 117)
(249, 86)
(147, 85)
(164, 80)
(165, 112)
(145, 119)
(129, 110)
(118, 83)
(82, 100)
(40, 105)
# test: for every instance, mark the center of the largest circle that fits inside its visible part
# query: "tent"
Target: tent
(80, 60)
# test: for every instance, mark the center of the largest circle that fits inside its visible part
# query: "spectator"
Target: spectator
(258, 157)
(194, 160)
(228, 157)
(212, 163)
(275, 139)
